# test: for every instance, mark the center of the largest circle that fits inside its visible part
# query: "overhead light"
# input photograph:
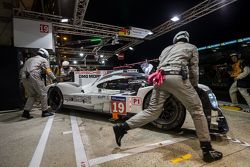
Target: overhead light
(103, 61)
(65, 56)
(150, 33)
(65, 38)
(130, 48)
(175, 18)
(81, 54)
(75, 62)
(101, 56)
(57, 36)
(64, 20)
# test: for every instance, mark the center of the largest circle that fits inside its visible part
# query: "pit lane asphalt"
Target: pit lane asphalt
(142, 147)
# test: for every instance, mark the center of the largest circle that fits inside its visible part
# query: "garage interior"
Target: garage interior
(94, 36)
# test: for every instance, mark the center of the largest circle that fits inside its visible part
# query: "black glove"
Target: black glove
(55, 81)
(196, 88)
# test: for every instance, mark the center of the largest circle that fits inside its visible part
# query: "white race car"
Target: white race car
(127, 92)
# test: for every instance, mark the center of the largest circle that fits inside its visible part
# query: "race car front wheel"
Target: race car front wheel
(173, 114)
(55, 98)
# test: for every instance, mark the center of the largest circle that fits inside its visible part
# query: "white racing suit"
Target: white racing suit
(33, 83)
(173, 58)
(67, 74)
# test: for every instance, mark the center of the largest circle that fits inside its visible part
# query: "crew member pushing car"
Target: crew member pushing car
(33, 83)
(179, 63)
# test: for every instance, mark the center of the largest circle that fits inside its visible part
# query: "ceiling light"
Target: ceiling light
(75, 62)
(150, 33)
(130, 48)
(81, 54)
(64, 20)
(57, 36)
(101, 56)
(65, 38)
(103, 61)
(175, 18)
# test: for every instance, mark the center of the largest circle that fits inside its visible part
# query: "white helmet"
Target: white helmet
(65, 63)
(43, 52)
(181, 35)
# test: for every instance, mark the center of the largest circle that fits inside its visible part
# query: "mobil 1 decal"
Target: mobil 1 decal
(118, 105)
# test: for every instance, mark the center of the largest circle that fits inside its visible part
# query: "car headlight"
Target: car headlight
(213, 100)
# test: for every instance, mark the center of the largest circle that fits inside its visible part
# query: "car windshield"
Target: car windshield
(127, 74)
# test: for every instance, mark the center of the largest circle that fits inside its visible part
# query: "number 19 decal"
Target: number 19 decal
(119, 106)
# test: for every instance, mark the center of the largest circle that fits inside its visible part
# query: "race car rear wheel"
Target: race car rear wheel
(173, 114)
(55, 98)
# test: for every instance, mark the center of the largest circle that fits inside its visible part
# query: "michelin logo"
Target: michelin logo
(118, 98)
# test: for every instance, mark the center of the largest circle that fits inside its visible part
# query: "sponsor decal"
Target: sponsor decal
(136, 101)
(67, 98)
(118, 98)
(102, 97)
(136, 81)
(80, 99)
(44, 28)
(130, 70)
(86, 99)
(88, 76)
(88, 72)
(118, 105)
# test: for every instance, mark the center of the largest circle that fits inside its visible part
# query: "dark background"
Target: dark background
(227, 23)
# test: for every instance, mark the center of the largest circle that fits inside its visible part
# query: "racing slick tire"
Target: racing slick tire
(55, 98)
(172, 116)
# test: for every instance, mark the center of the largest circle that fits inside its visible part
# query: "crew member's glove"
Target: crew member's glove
(157, 78)
(55, 80)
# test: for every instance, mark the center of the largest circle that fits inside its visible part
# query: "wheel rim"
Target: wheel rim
(169, 112)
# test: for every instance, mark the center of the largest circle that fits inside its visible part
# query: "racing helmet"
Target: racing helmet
(65, 63)
(181, 35)
(43, 52)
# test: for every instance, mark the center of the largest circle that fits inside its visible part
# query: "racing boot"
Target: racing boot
(46, 113)
(119, 131)
(209, 154)
(26, 114)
